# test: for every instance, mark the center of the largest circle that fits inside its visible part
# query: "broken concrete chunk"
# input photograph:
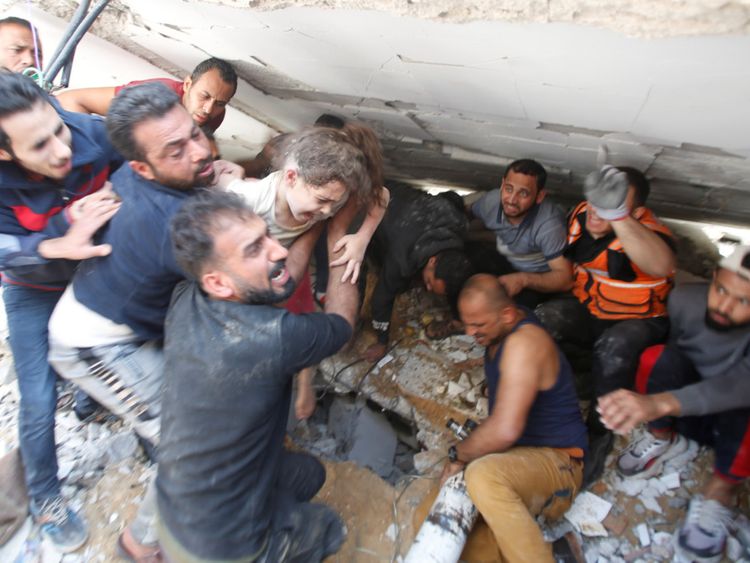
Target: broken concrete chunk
(631, 487)
(641, 532)
(671, 480)
(464, 381)
(587, 514)
(651, 504)
(428, 462)
(735, 551)
(373, 442)
(454, 389)
(616, 523)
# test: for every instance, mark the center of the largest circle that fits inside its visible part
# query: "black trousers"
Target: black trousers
(614, 346)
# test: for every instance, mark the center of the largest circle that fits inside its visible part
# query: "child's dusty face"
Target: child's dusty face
(315, 203)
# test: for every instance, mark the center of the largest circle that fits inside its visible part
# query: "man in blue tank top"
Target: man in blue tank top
(526, 457)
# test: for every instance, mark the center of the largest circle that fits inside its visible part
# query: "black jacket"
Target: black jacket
(415, 227)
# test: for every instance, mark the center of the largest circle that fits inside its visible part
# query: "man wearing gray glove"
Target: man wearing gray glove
(607, 192)
(624, 260)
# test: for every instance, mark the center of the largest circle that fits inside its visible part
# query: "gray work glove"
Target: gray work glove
(607, 190)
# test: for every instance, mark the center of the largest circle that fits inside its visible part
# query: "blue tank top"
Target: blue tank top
(554, 419)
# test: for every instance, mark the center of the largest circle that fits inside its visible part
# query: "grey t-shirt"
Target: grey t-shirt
(529, 246)
(721, 358)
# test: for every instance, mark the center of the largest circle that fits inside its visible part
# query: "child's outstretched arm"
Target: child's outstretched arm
(355, 245)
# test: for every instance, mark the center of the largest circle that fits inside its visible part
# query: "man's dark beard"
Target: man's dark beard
(268, 296)
(197, 182)
(713, 325)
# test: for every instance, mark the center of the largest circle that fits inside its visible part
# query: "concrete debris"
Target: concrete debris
(641, 531)
(735, 551)
(671, 480)
(587, 513)
(373, 442)
(454, 389)
(631, 487)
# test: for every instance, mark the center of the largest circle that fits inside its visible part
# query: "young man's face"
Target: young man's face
(17, 48)
(480, 320)
(39, 141)
(251, 262)
(206, 97)
(728, 301)
(598, 227)
(518, 194)
(177, 153)
(314, 203)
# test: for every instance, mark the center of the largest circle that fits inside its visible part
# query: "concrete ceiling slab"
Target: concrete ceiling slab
(661, 82)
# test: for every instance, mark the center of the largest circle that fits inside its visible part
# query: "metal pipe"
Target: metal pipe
(70, 46)
(75, 21)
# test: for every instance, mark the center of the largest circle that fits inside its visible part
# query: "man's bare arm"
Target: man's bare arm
(341, 298)
(644, 247)
(559, 278)
(87, 100)
(526, 361)
(300, 252)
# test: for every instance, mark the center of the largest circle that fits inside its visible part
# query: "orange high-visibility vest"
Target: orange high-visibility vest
(608, 298)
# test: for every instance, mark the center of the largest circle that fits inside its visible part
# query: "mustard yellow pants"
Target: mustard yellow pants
(510, 489)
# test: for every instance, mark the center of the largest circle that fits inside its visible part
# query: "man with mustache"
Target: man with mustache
(205, 93)
(624, 262)
(106, 331)
(50, 161)
(20, 46)
(530, 233)
(227, 488)
(698, 385)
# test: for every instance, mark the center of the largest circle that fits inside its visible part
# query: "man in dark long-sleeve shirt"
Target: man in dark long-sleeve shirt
(231, 491)
(701, 376)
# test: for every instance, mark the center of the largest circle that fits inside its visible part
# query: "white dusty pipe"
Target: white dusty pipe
(442, 537)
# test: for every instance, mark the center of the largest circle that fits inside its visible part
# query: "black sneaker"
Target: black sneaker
(593, 466)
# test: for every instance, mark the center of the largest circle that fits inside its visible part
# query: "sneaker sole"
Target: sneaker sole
(676, 449)
(66, 548)
(683, 556)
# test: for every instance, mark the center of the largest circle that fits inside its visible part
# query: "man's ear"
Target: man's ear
(187, 83)
(218, 285)
(508, 314)
(5, 155)
(432, 261)
(142, 169)
(540, 196)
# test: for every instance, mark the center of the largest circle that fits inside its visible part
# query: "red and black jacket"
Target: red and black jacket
(33, 208)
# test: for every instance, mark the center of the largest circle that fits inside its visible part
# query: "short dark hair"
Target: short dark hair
(17, 93)
(454, 268)
(226, 71)
(640, 183)
(528, 167)
(195, 225)
(132, 106)
(12, 20)
(329, 120)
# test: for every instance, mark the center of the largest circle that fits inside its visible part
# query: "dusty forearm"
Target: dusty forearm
(482, 441)
(549, 282)
(300, 251)
(341, 298)
(644, 247)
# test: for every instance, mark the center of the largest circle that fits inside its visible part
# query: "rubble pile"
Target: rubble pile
(389, 418)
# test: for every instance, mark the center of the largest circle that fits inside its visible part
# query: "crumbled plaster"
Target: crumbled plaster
(645, 18)
(456, 90)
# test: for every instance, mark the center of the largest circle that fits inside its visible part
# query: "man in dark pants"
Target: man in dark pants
(230, 491)
(624, 262)
(421, 235)
(50, 160)
(698, 385)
